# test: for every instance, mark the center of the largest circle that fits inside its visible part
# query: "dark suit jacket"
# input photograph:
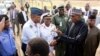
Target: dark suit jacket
(21, 18)
(89, 13)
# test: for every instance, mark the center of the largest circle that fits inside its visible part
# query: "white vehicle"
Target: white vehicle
(3, 9)
(8, 3)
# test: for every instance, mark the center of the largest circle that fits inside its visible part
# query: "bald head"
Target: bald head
(87, 7)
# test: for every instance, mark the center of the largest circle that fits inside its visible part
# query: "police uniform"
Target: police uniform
(30, 29)
(7, 42)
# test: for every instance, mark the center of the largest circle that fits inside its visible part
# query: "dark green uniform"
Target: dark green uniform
(61, 23)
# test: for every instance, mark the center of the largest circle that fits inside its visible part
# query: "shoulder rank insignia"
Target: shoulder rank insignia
(31, 26)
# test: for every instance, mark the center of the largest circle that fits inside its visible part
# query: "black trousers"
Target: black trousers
(24, 48)
(22, 26)
(15, 23)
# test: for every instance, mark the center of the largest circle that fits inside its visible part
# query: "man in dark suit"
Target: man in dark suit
(87, 10)
(22, 17)
(27, 6)
(13, 15)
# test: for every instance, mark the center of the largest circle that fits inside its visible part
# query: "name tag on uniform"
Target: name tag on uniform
(60, 24)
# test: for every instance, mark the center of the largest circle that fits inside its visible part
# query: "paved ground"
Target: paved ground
(98, 51)
(18, 44)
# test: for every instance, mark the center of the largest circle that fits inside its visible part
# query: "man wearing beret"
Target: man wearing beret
(31, 29)
(93, 37)
(75, 35)
(60, 20)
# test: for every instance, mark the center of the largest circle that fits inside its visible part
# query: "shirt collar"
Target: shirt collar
(59, 15)
(33, 24)
(46, 26)
(5, 30)
(23, 11)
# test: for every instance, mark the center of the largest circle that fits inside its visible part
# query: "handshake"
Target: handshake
(58, 32)
(54, 41)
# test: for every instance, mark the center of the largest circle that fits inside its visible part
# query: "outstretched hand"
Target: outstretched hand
(53, 43)
(59, 32)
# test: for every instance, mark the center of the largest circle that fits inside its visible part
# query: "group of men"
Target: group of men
(18, 17)
(70, 32)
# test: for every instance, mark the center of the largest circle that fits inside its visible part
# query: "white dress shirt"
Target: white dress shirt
(86, 13)
(86, 18)
(98, 26)
(14, 13)
(69, 12)
(24, 14)
(30, 31)
(97, 20)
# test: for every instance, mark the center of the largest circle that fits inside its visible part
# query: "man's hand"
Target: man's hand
(58, 32)
(2, 23)
(53, 43)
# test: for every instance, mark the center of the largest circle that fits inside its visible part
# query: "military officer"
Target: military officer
(31, 28)
(48, 31)
(60, 20)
